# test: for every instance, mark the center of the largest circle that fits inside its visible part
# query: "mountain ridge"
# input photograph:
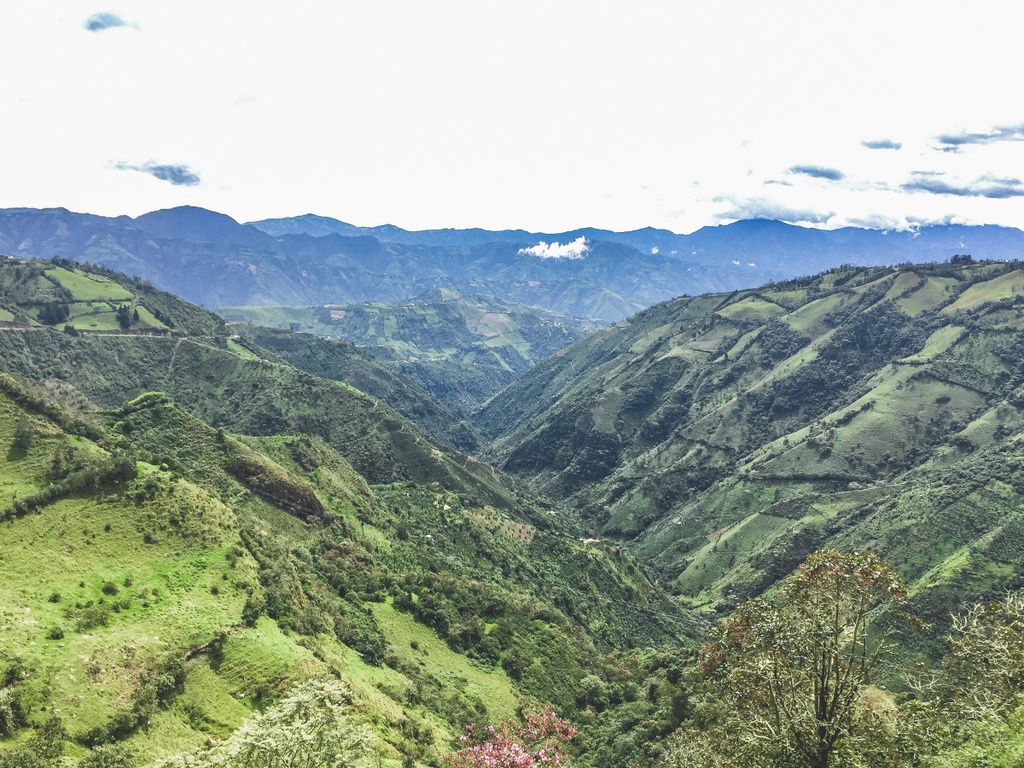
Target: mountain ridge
(722, 438)
(212, 260)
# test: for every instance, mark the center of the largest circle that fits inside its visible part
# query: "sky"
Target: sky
(544, 116)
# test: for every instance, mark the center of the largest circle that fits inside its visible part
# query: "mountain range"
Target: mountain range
(198, 515)
(212, 260)
(462, 349)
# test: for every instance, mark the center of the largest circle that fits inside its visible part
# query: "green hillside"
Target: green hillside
(723, 438)
(195, 531)
(462, 349)
(161, 578)
(221, 380)
(341, 361)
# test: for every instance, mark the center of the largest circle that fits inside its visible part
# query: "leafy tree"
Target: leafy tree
(21, 757)
(48, 742)
(308, 729)
(982, 672)
(11, 715)
(791, 671)
(972, 708)
(109, 756)
(539, 742)
(23, 435)
(54, 313)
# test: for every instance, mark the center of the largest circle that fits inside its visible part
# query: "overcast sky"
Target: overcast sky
(541, 115)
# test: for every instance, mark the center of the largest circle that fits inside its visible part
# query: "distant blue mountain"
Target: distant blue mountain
(213, 260)
(787, 248)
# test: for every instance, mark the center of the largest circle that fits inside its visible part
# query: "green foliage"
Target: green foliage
(23, 436)
(791, 671)
(109, 756)
(12, 716)
(310, 727)
(54, 313)
(982, 671)
(48, 742)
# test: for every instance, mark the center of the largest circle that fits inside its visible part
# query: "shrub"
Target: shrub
(539, 742)
(109, 756)
(11, 715)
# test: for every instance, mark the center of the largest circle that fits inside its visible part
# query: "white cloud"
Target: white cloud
(577, 249)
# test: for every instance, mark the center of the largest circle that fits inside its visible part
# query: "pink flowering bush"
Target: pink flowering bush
(537, 743)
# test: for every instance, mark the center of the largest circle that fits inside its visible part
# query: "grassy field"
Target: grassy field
(89, 287)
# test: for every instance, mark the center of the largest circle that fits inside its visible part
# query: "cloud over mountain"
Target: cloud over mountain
(577, 249)
(817, 172)
(767, 209)
(177, 174)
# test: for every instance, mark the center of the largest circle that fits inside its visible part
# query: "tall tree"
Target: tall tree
(791, 670)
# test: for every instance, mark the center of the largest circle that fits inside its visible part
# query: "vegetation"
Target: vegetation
(540, 741)
(208, 552)
(461, 349)
(791, 671)
(171, 602)
(723, 438)
(310, 727)
(341, 361)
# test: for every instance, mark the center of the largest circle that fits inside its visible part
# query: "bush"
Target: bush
(12, 716)
(109, 756)
(23, 436)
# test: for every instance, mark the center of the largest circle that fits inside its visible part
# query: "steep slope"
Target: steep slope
(462, 349)
(214, 376)
(342, 361)
(725, 437)
(160, 580)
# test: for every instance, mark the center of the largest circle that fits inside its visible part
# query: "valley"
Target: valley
(199, 516)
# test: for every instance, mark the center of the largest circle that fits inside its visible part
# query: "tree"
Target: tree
(791, 670)
(970, 709)
(308, 729)
(537, 743)
(109, 756)
(23, 436)
(12, 716)
(54, 312)
(982, 671)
